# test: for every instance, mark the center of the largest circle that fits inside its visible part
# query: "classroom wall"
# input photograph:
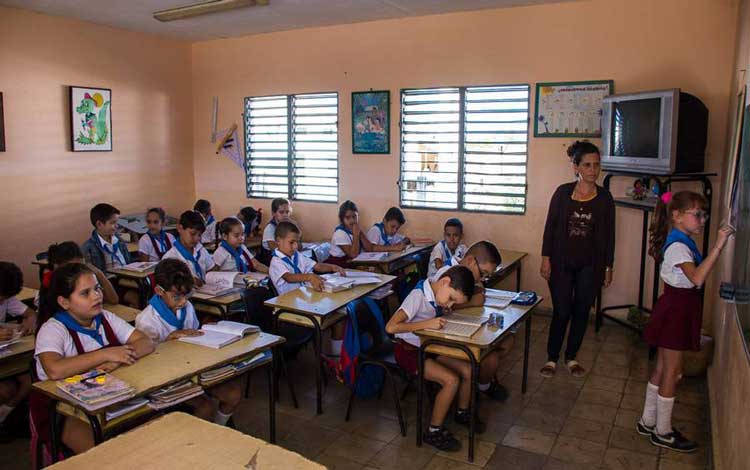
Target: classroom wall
(729, 374)
(641, 44)
(46, 190)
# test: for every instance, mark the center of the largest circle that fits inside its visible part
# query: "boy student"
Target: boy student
(386, 234)
(189, 249)
(156, 242)
(103, 249)
(169, 316)
(203, 207)
(15, 389)
(422, 309)
(281, 211)
(450, 250)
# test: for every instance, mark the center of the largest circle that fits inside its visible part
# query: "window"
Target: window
(465, 148)
(291, 144)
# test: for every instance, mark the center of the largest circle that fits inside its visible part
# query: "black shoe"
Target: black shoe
(442, 440)
(496, 392)
(644, 430)
(462, 418)
(673, 441)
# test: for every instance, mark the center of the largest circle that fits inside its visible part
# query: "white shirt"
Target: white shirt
(209, 236)
(146, 247)
(53, 336)
(110, 261)
(225, 261)
(153, 325)
(269, 234)
(278, 268)
(206, 262)
(438, 252)
(436, 275)
(375, 237)
(11, 307)
(340, 237)
(417, 307)
(676, 254)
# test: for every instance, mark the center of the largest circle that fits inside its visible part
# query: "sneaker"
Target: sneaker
(644, 430)
(442, 440)
(462, 417)
(496, 391)
(673, 441)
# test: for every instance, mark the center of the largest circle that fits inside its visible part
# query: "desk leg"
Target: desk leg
(318, 347)
(54, 452)
(518, 277)
(96, 428)
(271, 372)
(473, 411)
(526, 344)
(420, 393)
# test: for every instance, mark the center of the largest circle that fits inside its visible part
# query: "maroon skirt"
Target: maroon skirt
(342, 261)
(676, 320)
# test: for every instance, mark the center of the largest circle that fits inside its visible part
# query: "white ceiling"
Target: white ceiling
(280, 15)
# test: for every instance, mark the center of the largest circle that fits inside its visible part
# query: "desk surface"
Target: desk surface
(123, 311)
(174, 361)
(27, 294)
(510, 258)
(395, 255)
(306, 300)
(128, 274)
(179, 441)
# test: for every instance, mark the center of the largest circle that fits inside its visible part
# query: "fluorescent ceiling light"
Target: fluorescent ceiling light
(204, 8)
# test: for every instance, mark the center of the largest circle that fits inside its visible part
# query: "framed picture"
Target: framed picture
(371, 121)
(570, 109)
(2, 125)
(91, 119)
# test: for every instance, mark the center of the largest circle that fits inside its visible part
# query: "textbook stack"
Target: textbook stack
(213, 376)
(96, 389)
(174, 394)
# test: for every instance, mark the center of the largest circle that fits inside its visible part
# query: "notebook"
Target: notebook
(96, 389)
(140, 266)
(499, 299)
(371, 256)
(174, 394)
(218, 283)
(125, 408)
(220, 334)
(458, 324)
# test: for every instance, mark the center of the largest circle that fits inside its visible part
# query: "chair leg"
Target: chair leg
(353, 393)
(290, 384)
(247, 385)
(396, 401)
(407, 387)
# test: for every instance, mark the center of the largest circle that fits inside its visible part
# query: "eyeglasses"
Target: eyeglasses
(176, 297)
(700, 215)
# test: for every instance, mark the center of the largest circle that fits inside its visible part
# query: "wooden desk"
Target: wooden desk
(395, 260)
(171, 362)
(218, 306)
(179, 441)
(123, 311)
(473, 349)
(511, 263)
(253, 243)
(138, 280)
(18, 360)
(42, 264)
(319, 311)
(27, 296)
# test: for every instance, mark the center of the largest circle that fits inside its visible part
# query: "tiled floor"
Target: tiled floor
(561, 423)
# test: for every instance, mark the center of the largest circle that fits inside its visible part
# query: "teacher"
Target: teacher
(577, 254)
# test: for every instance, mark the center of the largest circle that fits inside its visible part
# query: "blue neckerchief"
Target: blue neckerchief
(66, 319)
(114, 253)
(211, 219)
(189, 257)
(162, 240)
(291, 262)
(237, 255)
(448, 257)
(386, 239)
(438, 308)
(167, 314)
(273, 222)
(677, 236)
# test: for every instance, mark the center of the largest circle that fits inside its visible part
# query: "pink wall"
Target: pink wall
(47, 190)
(677, 44)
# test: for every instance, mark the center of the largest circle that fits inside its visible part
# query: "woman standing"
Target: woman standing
(577, 254)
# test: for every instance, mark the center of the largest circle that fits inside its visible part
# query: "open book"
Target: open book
(458, 324)
(218, 283)
(499, 299)
(140, 266)
(16, 334)
(371, 256)
(221, 334)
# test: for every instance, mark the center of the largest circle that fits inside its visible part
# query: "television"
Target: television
(654, 132)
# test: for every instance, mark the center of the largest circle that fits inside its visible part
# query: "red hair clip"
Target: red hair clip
(666, 197)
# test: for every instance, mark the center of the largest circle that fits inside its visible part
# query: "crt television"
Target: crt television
(657, 132)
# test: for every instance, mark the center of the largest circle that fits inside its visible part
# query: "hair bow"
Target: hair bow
(666, 197)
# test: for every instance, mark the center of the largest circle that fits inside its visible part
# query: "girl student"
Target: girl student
(675, 324)
(232, 254)
(156, 242)
(251, 218)
(348, 240)
(77, 337)
(281, 211)
(203, 207)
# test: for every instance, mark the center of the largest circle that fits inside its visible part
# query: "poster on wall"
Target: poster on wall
(570, 109)
(91, 119)
(2, 125)
(371, 122)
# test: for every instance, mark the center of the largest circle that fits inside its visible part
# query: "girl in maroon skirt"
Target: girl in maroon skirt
(675, 323)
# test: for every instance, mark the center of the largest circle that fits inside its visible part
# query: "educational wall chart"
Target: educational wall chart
(570, 109)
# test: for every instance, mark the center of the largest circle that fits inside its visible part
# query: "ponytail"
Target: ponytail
(661, 223)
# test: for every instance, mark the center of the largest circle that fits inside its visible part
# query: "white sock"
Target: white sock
(649, 406)
(5, 410)
(664, 415)
(336, 346)
(484, 387)
(220, 418)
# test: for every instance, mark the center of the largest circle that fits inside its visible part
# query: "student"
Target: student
(281, 211)
(251, 220)
(103, 249)
(189, 249)
(13, 390)
(203, 207)
(422, 309)
(156, 242)
(232, 254)
(385, 234)
(79, 337)
(675, 324)
(450, 250)
(170, 316)
(347, 240)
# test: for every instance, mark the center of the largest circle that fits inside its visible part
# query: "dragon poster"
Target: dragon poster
(91, 119)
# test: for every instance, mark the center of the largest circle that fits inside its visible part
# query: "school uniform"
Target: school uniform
(228, 258)
(209, 236)
(103, 254)
(341, 236)
(377, 236)
(677, 317)
(269, 234)
(156, 246)
(441, 252)
(419, 305)
(282, 264)
(157, 320)
(11, 307)
(199, 261)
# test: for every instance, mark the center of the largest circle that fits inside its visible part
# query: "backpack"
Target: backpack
(370, 379)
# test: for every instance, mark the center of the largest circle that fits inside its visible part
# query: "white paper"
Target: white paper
(231, 328)
(371, 256)
(140, 266)
(211, 339)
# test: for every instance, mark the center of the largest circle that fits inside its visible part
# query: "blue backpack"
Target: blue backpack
(370, 379)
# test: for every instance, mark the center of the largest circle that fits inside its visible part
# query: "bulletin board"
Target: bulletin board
(570, 109)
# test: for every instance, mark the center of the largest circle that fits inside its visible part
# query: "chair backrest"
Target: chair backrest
(256, 313)
(42, 255)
